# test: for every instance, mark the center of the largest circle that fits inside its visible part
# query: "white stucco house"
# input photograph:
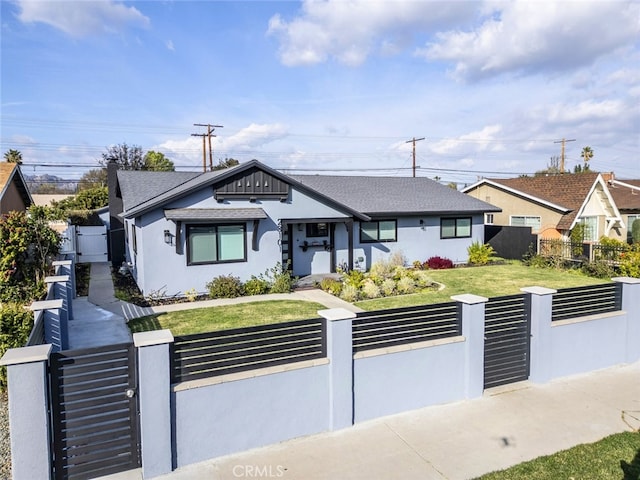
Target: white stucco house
(180, 230)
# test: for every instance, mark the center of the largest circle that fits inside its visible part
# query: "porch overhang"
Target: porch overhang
(214, 214)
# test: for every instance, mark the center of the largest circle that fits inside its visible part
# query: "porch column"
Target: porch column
(29, 411)
(349, 225)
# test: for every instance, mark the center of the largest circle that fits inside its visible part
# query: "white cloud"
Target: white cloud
(477, 141)
(81, 18)
(170, 46)
(253, 136)
(528, 36)
(350, 31)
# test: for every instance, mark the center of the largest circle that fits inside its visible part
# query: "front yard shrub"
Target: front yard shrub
(635, 231)
(439, 263)
(331, 285)
(257, 286)
(280, 279)
(370, 289)
(598, 269)
(225, 286)
(349, 293)
(480, 254)
(16, 323)
(388, 287)
(630, 262)
(354, 278)
(406, 285)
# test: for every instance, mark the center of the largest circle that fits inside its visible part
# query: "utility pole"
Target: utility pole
(210, 129)
(563, 141)
(414, 140)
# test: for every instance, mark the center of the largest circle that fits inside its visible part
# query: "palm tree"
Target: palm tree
(587, 154)
(13, 156)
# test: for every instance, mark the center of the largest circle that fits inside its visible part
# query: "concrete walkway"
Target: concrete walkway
(458, 441)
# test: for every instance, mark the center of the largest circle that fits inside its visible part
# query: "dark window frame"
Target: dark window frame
(377, 239)
(314, 230)
(216, 226)
(456, 220)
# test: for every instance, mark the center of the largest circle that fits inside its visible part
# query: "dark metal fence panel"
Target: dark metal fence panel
(228, 351)
(399, 326)
(94, 411)
(506, 348)
(583, 301)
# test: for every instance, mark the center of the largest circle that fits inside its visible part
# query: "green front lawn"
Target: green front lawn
(200, 320)
(490, 281)
(616, 457)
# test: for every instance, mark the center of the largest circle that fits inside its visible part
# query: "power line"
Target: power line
(414, 152)
(210, 129)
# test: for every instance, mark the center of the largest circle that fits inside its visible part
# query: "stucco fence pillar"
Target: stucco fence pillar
(631, 305)
(340, 355)
(154, 390)
(28, 411)
(472, 310)
(540, 301)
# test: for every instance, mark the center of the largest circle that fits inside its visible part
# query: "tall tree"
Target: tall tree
(127, 157)
(586, 155)
(157, 162)
(96, 177)
(13, 156)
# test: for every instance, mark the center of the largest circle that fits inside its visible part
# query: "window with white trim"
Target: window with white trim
(216, 243)
(525, 221)
(488, 218)
(590, 228)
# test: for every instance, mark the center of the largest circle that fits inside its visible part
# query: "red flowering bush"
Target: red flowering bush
(438, 263)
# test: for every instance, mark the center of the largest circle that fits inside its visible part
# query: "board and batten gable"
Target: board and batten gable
(159, 268)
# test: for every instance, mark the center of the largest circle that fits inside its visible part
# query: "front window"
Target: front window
(455, 227)
(590, 228)
(526, 221)
(317, 230)
(215, 244)
(489, 219)
(382, 231)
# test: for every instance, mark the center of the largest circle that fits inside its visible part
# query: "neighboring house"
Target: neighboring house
(183, 229)
(552, 205)
(626, 194)
(14, 194)
(47, 199)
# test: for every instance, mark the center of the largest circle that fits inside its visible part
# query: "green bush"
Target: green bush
(280, 279)
(480, 254)
(635, 231)
(406, 285)
(16, 323)
(370, 289)
(257, 286)
(349, 293)
(598, 269)
(331, 285)
(354, 278)
(630, 262)
(225, 286)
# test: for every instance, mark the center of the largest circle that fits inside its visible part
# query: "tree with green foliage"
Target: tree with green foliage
(96, 177)
(553, 167)
(586, 155)
(635, 231)
(226, 163)
(13, 156)
(27, 246)
(157, 162)
(89, 199)
(125, 156)
(16, 323)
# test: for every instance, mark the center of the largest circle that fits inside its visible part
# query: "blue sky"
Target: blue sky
(325, 86)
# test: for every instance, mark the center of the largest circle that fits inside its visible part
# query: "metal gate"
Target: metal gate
(91, 244)
(506, 340)
(94, 412)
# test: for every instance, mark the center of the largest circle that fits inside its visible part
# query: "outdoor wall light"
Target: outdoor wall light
(167, 237)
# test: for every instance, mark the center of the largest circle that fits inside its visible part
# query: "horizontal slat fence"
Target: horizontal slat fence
(229, 351)
(583, 301)
(399, 326)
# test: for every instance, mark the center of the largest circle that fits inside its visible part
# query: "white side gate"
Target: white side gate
(91, 244)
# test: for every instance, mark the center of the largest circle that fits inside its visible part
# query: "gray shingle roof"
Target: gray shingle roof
(394, 195)
(183, 214)
(138, 187)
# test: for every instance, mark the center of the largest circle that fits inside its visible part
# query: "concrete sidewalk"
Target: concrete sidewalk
(455, 442)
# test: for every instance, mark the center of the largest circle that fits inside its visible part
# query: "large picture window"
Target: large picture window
(455, 227)
(526, 221)
(381, 231)
(215, 244)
